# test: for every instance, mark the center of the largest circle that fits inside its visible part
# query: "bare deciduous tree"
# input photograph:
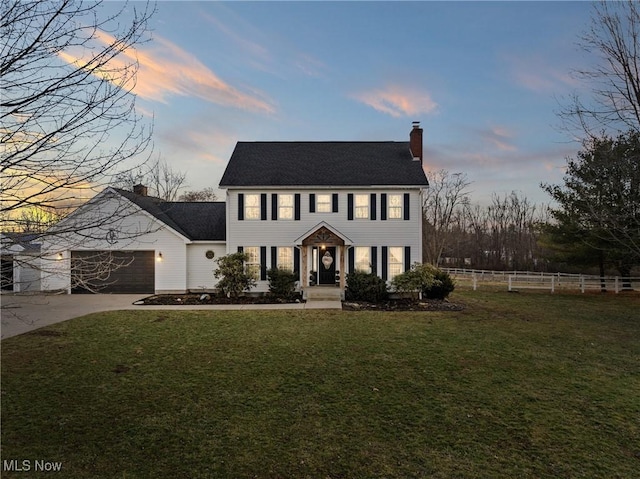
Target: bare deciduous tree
(445, 194)
(614, 80)
(206, 194)
(67, 109)
(162, 180)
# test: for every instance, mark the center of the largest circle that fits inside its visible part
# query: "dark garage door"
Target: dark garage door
(112, 272)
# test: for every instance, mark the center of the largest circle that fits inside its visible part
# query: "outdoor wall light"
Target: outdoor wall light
(60, 256)
(160, 256)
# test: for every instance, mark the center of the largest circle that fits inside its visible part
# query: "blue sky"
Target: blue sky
(483, 78)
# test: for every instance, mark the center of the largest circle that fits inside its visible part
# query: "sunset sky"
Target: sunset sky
(483, 78)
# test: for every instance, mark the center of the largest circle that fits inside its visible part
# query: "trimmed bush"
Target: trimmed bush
(282, 283)
(442, 286)
(431, 281)
(366, 287)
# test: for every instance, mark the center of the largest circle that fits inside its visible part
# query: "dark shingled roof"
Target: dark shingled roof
(300, 163)
(198, 221)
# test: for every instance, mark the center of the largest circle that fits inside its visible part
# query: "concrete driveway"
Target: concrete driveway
(23, 313)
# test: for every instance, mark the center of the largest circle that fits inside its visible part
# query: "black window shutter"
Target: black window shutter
(296, 206)
(383, 206)
(263, 206)
(263, 263)
(407, 258)
(274, 206)
(240, 206)
(372, 207)
(274, 257)
(352, 260)
(296, 260)
(312, 203)
(374, 259)
(350, 206)
(334, 203)
(385, 265)
(406, 206)
(240, 249)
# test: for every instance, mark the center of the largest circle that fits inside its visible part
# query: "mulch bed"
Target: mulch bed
(403, 305)
(406, 304)
(205, 298)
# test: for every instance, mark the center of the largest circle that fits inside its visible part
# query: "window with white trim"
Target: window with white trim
(285, 257)
(394, 207)
(285, 207)
(251, 207)
(396, 262)
(362, 206)
(363, 259)
(252, 265)
(323, 203)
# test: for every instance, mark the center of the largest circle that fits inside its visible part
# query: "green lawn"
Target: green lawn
(526, 385)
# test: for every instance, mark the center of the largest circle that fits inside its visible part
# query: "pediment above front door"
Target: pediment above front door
(323, 234)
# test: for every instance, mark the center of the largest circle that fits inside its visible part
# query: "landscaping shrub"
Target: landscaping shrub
(233, 277)
(282, 283)
(431, 281)
(442, 286)
(366, 287)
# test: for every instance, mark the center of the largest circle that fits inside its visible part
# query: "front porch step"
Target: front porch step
(323, 293)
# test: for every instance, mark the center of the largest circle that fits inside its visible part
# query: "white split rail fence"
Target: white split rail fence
(515, 280)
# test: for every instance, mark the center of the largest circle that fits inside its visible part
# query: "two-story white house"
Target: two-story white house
(325, 209)
(321, 209)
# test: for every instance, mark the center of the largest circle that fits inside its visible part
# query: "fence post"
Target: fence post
(553, 284)
(475, 281)
(617, 286)
(509, 282)
(582, 284)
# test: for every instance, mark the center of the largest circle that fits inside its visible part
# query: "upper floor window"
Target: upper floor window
(323, 203)
(362, 206)
(252, 207)
(396, 261)
(363, 259)
(252, 265)
(394, 206)
(285, 207)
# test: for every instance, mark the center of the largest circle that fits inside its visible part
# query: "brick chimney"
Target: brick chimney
(140, 190)
(415, 141)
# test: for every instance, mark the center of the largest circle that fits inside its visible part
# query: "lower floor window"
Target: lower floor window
(396, 263)
(252, 265)
(363, 259)
(285, 258)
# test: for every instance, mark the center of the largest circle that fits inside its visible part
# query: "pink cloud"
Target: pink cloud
(535, 74)
(398, 101)
(167, 69)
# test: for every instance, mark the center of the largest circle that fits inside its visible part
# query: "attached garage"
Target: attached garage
(113, 271)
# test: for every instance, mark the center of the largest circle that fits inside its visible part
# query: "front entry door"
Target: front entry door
(327, 266)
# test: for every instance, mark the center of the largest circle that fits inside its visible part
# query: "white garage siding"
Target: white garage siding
(200, 268)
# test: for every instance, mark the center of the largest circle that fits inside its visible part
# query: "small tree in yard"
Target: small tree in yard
(233, 277)
(282, 283)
